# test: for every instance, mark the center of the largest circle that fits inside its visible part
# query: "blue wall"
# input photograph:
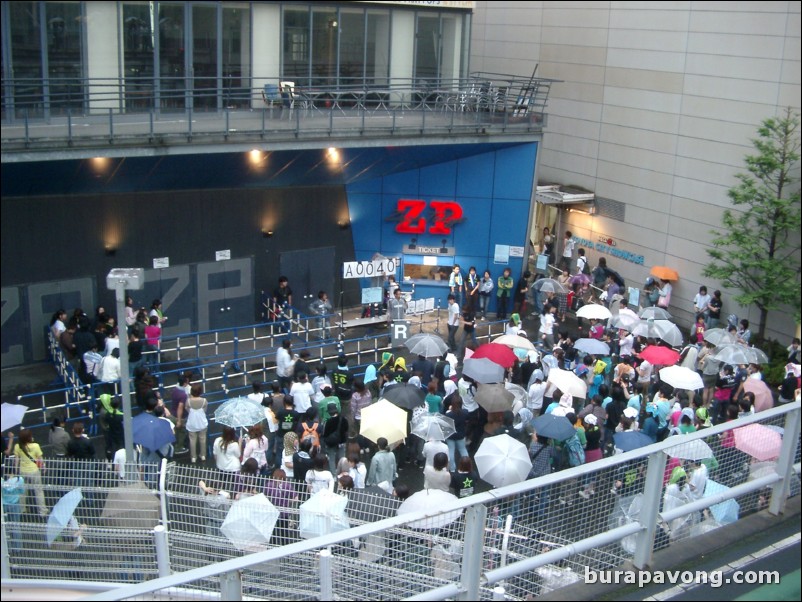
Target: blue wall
(493, 188)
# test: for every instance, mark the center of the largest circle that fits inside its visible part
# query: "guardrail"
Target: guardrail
(529, 538)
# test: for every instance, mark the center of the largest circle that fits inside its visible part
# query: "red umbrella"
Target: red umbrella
(658, 355)
(499, 354)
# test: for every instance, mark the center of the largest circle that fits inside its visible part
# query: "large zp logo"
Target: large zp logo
(413, 220)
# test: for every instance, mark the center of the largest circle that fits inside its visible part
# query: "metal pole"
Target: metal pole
(162, 551)
(785, 464)
(125, 382)
(326, 587)
(231, 585)
(5, 568)
(475, 519)
(652, 495)
(499, 593)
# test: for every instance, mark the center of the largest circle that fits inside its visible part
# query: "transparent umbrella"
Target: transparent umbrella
(250, 522)
(659, 329)
(322, 514)
(719, 336)
(654, 313)
(239, 412)
(483, 370)
(426, 344)
(548, 285)
(432, 426)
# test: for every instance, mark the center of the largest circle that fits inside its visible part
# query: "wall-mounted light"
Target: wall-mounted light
(444, 248)
(267, 233)
(344, 224)
(110, 251)
(413, 244)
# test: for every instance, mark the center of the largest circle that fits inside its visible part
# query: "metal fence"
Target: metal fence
(531, 537)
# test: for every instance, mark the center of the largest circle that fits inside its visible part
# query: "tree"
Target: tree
(758, 251)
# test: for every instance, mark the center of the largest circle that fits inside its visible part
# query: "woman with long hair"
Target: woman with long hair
(197, 423)
(257, 448)
(226, 455)
(29, 459)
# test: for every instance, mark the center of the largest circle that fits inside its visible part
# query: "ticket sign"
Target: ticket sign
(370, 269)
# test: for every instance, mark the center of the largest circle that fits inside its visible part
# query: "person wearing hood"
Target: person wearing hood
(650, 424)
(537, 390)
(703, 419)
(400, 374)
(388, 359)
(449, 394)
(676, 495)
(564, 406)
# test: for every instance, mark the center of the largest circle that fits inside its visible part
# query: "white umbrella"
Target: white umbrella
(592, 346)
(322, 514)
(624, 321)
(502, 460)
(12, 414)
(594, 311)
(654, 313)
(434, 502)
(695, 449)
(383, 419)
(432, 426)
(549, 285)
(250, 522)
(61, 514)
(426, 344)
(515, 341)
(680, 377)
(568, 382)
(659, 329)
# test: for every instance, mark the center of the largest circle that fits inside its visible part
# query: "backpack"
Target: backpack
(311, 433)
(586, 267)
(575, 454)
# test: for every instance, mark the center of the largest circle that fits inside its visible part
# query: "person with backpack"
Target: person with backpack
(582, 266)
(343, 382)
(335, 434)
(309, 428)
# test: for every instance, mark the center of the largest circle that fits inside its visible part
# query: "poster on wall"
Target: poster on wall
(542, 265)
(634, 296)
(502, 254)
(516, 251)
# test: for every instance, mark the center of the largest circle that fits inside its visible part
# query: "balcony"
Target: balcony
(114, 118)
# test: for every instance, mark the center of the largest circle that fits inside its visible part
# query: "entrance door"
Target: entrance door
(309, 271)
(225, 293)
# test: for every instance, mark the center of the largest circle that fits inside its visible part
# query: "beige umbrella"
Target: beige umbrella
(384, 419)
(494, 398)
(568, 382)
(515, 341)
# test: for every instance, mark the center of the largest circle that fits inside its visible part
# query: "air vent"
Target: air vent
(610, 208)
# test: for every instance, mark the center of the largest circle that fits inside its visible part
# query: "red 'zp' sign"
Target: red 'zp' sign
(446, 213)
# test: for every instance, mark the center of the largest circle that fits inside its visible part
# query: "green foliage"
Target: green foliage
(757, 252)
(774, 373)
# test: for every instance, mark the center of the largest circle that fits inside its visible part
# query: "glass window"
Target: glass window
(325, 31)
(64, 56)
(138, 55)
(352, 47)
(26, 57)
(236, 55)
(172, 67)
(204, 57)
(296, 45)
(377, 60)
(427, 48)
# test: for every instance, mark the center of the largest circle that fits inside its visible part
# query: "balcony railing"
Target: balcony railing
(48, 114)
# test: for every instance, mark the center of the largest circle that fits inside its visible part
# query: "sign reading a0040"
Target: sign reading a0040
(370, 269)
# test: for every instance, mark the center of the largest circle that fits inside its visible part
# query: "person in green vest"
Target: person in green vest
(505, 284)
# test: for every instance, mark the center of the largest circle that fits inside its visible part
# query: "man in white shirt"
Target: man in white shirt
(644, 377)
(537, 391)
(284, 365)
(568, 251)
(453, 322)
(302, 393)
(701, 301)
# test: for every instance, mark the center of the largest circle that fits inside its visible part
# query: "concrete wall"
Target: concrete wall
(657, 107)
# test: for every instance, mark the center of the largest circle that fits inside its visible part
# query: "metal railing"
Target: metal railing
(126, 112)
(530, 537)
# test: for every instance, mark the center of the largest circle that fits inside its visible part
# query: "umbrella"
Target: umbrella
(383, 419)
(763, 397)
(239, 412)
(624, 321)
(499, 354)
(592, 346)
(719, 336)
(404, 395)
(664, 273)
(593, 311)
(62, 513)
(548, 285)
(12, 414)
(371, 504)
(322, 514)
(494, 398)
(680, 377)
(514, 341)
(568, 382)
(152, 433)
(483, 370)
(659, 329)
(502, 460)
(727, 511)
(756, 356)
(695, 449)
(520, 395)
(426, 344)
(629, 440)
(732, 353)
(615, 276)
(249, 523)
(433, 501)
(582, 279)
(658, 355)
(554, 427)
(758, 441)
(654, 313)
(432, 426)
(131, 506)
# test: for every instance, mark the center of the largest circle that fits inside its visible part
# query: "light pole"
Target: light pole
(118, 280)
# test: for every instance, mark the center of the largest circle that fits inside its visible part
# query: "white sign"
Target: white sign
(161, 262)
(429, 260)
(370, 269)
(502, 254)
(516, 251)
(222, 255)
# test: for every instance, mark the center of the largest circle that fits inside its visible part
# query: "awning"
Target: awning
(554, 194)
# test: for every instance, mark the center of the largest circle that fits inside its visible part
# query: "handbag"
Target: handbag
(40, 463)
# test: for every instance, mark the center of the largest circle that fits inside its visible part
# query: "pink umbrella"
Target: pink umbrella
(763, 397)
(758, 441)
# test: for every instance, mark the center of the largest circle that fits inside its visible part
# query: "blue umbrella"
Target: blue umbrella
(592, 346)
(727, 511)
(62, 513)
(629, 440)
(554, 427)
(150, 432)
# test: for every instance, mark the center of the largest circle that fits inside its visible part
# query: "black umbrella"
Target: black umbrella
(404, 395)
(615, 276)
